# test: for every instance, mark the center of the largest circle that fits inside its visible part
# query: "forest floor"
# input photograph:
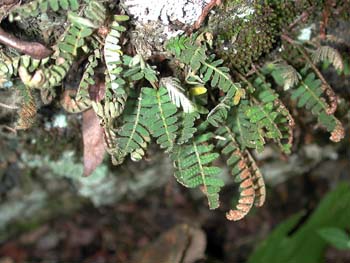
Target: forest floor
(115, 233)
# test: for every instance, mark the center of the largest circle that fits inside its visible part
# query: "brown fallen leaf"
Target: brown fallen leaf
(181, 244)
(93, 139)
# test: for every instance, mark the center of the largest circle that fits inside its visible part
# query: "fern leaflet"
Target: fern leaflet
(252, 186)
(162, 116)
(193, 167)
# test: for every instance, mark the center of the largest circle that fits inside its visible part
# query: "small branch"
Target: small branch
(33, 49)
(204, 14)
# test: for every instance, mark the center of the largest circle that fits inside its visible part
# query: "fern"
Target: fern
(270, 117)
(34, 8)
(192, 53)
(139, 69)
(218, 114)
(243, 168)
(96, 12)
(308, 95)
(176, 93)
(187, 129)
(193, 167)
(113, 53)
(74, 38)
(27, 113)
(248, 134)
(330, 55)
(133, 134)
(163, 121)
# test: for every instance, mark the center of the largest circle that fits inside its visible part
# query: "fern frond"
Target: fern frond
(133, 134)
(177, 44)
(36, 7)
(284, 74)
(248, 134)
(113, 53)
(194, 168)
(187, 129)
(246, 173)
(218, 114)
(139, 69)
(163, 121)
(308, 95)
(328, 54)
(272, 120)
(74, 38)
(27, 113)
(95, 11)
(176, 93)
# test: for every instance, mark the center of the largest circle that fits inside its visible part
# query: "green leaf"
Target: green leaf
(336, 237)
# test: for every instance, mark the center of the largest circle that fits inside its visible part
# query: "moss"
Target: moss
(250, 30)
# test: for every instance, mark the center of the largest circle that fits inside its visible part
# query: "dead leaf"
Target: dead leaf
(181, 244)
(94, 149)
(97, 91)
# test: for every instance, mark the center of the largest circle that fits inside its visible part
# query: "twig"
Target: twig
(33, 49)
(204, 14)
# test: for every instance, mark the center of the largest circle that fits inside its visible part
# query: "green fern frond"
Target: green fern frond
(269, 117)
(163, 121)
(218, 114)
(187, 129)
(194, 168)
(178, 44)
(246, 173)
(176, 93)
(139, 69)
(218, 75)
(95, 11)
(284, 74)
(36, 7)
(113, 53)
(248, 134)
(88, 75)
(133, 134)
(74, 38)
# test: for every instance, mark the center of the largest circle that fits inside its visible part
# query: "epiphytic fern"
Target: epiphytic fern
(139, 69)
(194, 168)
(192, 52)
(247, 134)
(309, 95)
(330, 55)
(245, 172)
(95, 12)
(218, 114)
(163, 121)
(269, 114)
(78, 31)
(133, 134)
(34, 8)
(113, 53)
(187, 128)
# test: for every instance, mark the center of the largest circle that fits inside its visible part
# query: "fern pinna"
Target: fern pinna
(245, 171)
(193, 167)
